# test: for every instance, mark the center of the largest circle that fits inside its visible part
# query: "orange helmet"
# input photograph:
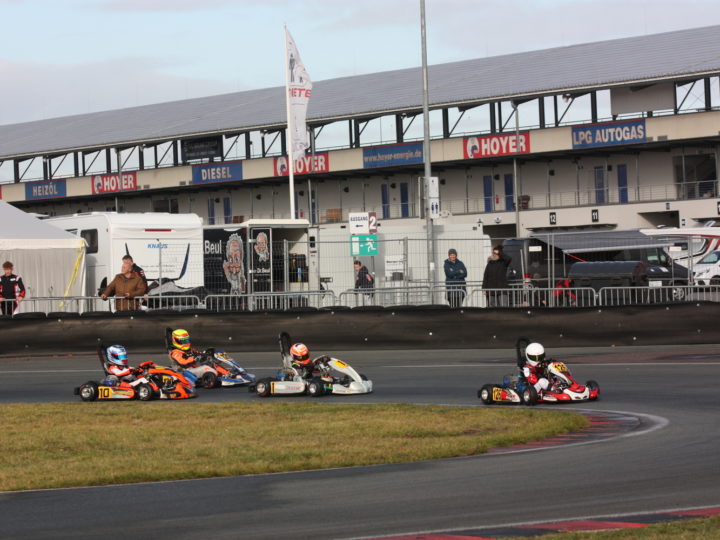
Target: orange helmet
(300, 354)
(181, 340)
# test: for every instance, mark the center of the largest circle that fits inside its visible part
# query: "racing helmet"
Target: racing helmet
(116, 354)
(300, 354)
(534, 354)
(181, 339)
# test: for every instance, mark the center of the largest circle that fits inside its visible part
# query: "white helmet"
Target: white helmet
(534, 354)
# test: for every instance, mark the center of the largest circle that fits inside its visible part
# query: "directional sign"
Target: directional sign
(363, 245)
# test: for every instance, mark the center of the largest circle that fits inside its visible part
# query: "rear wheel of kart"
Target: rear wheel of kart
(89, 391)
(316, 388)
(263, 387)
(592, 386)
(209, 380)
(144, 392)
(485, 394)
(530, 396)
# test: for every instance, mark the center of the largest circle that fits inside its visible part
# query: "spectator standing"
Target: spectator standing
(12, 289)
(495, 277)
(127, 286)
(365, 282)
(455, 274)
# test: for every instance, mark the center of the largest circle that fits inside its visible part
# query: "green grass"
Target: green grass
(693, 529)
(82, 444)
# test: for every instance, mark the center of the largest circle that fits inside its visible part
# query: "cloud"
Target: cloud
(39, 91)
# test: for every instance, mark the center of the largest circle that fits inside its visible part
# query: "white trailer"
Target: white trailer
(166, 246)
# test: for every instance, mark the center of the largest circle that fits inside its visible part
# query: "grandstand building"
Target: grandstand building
(611, 135)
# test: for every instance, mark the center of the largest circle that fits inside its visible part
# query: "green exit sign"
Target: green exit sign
(363, 245)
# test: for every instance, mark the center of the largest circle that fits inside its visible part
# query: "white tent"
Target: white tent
(50, 261)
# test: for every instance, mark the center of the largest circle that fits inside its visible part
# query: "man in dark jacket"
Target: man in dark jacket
(455, 274)
(365, 282)
(12, 290)
(495, 278)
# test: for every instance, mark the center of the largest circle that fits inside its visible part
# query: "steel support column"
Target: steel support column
(16, 171)
(555, 110)
(76, 165)
(593, 107)
(47, 166)
(541, 112)
(176, 160)
(108, 161)
(248, 146)
(399, 134)
(283, 143)
(708, 96)
(493, 126)
(446, 123)
(141, 157)
(356, 133)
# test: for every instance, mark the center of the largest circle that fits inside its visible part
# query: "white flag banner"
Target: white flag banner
(299, 87)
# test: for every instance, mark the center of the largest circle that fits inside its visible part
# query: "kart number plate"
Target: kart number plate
(339, 363)
(497, 394)
(104, 392)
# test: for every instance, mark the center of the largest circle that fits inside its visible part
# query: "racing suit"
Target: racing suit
(117, 374)
(535, 375)
(185, 359)
(11, 288)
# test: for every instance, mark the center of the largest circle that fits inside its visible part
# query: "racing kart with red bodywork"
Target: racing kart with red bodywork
(562, 386)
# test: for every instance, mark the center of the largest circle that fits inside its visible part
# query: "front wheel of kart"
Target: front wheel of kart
(209, 380)
(263, 387)
(485, 394)
(530, 396)
(592, 386)
(89, 391)
(316, 388)
(144, 392)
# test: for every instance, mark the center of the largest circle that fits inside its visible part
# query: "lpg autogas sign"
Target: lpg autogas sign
(632, 131)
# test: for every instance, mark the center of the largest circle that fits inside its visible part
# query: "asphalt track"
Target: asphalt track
(670, 461)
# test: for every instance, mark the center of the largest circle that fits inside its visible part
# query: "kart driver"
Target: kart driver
(116, 365)
(182, 352)
(301, 360)
(534, 368)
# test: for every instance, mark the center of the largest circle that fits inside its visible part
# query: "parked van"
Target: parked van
(166, 246)
(543, 259)
(707, 270)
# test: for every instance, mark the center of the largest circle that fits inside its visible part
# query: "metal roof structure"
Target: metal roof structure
(593, 241)
(672, 56)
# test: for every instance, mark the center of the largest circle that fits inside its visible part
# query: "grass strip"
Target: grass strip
(83, 444)
(692, 529)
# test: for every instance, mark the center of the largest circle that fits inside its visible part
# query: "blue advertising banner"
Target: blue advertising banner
(49, 189)
(632, 131)
(217, 172)
(397, 154)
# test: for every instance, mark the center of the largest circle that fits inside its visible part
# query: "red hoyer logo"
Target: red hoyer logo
(306, 165)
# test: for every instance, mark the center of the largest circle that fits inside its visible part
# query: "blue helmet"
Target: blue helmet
(117, 355)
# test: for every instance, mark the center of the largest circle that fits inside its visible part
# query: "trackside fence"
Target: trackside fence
(471, 296)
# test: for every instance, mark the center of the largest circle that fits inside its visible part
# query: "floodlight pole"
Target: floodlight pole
(426, 149)
(516, 198)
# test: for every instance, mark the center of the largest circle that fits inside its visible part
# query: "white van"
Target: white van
(165, 246)
(707, 271)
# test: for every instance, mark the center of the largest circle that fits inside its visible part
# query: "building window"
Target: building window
(696, 176)
(165, 205)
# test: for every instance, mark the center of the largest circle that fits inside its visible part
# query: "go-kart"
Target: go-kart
(562, 386)
(151, 382)
(213, 368)
(329, 376)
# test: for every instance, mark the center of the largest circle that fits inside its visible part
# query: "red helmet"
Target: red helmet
(300, 354)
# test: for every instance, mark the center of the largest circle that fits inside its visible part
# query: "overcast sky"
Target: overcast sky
(63, 57)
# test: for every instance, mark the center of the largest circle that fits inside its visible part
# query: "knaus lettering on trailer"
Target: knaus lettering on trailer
(632, 131)
(496, 145)
(110, 183)
(308, 164)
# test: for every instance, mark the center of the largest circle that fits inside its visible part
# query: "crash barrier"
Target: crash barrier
(416, 295)
(426, 327)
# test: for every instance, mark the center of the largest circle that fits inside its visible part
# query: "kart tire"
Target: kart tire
(209, 380)
(316, 388)
(485, 394)
(263, 388)
(593, 385)
(89, 391)
(144, 392)
(530, 396)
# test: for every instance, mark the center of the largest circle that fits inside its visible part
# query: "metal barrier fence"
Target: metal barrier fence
(415, 295)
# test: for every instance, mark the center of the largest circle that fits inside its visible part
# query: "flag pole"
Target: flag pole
(288, 138)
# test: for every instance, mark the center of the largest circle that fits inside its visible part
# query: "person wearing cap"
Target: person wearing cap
(495, 280)
(455, 274)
